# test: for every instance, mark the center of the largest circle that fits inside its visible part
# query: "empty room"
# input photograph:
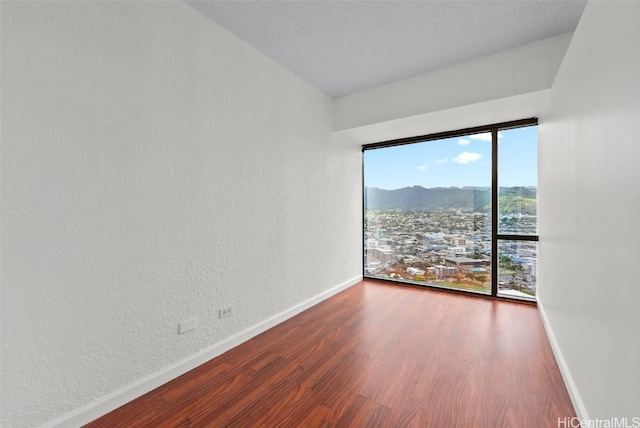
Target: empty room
(320, 213)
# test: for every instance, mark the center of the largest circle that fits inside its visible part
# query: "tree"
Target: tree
(458, 277)
(505, 263)
(482, 279)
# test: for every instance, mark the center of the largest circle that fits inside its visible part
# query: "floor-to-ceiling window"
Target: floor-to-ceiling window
(455, 210)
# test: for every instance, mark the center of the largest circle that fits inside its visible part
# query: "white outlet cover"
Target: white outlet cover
(186, 326)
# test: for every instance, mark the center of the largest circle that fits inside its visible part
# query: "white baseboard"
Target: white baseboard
(578, 405)
(112, 401)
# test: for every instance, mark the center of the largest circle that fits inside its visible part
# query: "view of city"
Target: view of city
(450, 249)
(442, 235)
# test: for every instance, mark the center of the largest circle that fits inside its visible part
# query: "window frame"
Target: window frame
(495, 187)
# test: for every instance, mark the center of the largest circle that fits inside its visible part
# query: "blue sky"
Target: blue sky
(460, 161)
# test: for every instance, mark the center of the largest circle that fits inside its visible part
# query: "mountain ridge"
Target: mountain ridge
(521, 199)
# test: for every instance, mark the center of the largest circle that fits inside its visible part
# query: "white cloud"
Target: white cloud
(486, 136)
(482, 137)
(422, 168)
(442, 160)
(467, 157)
(463, 142)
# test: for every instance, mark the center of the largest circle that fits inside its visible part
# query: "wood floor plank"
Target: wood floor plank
(375, 355)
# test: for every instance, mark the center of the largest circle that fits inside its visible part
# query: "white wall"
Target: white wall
(589, 207)
(516, 107)
(154, 169)
(507, 74)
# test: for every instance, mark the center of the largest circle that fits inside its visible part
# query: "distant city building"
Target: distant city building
(458, 241)
(381, 254)
(457, 250)
(437, 237)
(414, 271)
(437, 247)
(445, 271)
(532, 264)
(465, 261)
(371, 267)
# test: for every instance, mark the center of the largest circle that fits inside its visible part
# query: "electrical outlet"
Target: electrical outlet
(225, 312)
(186, 326)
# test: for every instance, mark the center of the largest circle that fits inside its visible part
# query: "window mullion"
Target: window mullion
(494, 212)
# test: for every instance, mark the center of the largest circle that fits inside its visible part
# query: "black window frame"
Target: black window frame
(494, 129)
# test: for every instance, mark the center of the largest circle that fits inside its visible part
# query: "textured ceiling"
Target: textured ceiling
(344, 47)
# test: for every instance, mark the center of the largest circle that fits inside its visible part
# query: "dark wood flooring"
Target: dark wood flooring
(375, 355)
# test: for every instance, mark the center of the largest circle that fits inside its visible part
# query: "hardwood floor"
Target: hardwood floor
(375, 355)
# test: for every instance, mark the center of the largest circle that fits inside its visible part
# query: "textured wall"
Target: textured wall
(154, 169)
(589, 205)
(510, 73)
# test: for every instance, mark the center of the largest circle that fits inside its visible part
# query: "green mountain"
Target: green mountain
(518, 200)
(469, 199)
